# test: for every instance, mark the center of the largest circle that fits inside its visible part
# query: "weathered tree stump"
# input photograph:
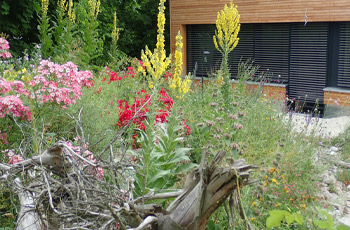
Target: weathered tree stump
(62, 194)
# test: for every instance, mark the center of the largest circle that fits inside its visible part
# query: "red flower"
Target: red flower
(188, 129)
(161, 116)
(114, 77)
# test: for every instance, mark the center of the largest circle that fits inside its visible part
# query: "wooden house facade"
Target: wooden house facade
(303, 45)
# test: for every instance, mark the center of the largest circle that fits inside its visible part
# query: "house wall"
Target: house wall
(186, 12)
(269, 90)
(183, 12)
(335, 96)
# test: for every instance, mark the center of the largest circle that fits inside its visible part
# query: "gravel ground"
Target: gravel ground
(328, 127)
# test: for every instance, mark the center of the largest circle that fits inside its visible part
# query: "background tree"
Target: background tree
(18, 20)
(137, 20)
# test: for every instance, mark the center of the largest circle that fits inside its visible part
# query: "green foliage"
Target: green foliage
(325, 221)
(343, 141)
(19, 22)
(239, 121)
(160, 159)
(136, 20)
(277, 216)
(8, 209)
(74, 35)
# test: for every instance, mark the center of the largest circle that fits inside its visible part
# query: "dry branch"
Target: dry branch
(65, 194)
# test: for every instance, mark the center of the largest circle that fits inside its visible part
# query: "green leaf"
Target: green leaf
(279, 212)
(179, 159)
(182, 151)
(275, 218)
(158, 184)
(185, 168)
(5, 8)
(289, 218)
(211, 225)
(343, 227)
(162, 144)
(298, 218)
(322, 224)
(159, 174)
(155, 155)
(178, 139)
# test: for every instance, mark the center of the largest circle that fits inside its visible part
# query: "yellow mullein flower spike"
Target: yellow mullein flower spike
(44, 7)
(115, 33)
(62, 6)
(71, 14)
(182, 86)
(157, 63)
(227, 28)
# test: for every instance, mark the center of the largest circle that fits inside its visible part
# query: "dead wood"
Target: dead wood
(64, 193)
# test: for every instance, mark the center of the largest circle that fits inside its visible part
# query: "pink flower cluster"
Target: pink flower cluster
(13, 105)
(17, 86)
(96, 171)
(60, 83)
(4, 46)
(13, 158)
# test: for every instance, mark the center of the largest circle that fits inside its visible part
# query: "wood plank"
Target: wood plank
(184, 12)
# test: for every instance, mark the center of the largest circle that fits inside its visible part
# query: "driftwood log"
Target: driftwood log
(61, 192)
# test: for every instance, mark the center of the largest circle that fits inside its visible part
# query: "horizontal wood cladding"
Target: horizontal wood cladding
(185, 12)
(261, 11)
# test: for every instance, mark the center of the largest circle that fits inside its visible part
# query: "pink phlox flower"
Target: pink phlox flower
(5, 86)
(4, 46)
(13, 158)
(19, 87)
(60, 83)
(6, 55)
(13, 105)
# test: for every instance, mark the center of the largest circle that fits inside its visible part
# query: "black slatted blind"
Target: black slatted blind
(344, 56)
(244, 50)
(302, 55)
(308, 61)
(201, 50)
(272, 50)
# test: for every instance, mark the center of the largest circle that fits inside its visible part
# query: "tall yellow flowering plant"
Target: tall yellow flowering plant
(45, 35)
(94, 8)
(115, 32)
(226, 39)
(71, 13)
(156, 63)
(182, 86)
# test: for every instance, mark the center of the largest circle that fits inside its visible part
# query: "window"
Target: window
(308, 61)
(306, 57)
(344, 56)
